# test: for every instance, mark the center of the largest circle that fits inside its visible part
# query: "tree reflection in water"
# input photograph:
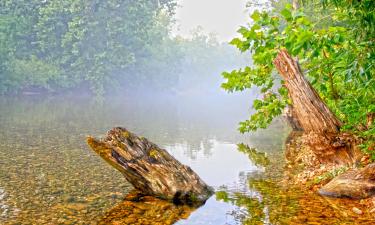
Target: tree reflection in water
(263, 201)
(266, 198)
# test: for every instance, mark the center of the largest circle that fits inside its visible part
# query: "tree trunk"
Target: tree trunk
(291, 118)
(295, 4)
(150, 169)
(320, 125)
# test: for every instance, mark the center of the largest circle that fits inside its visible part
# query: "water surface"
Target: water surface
(48, 175)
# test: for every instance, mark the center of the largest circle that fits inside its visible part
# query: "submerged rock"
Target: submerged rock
(358, 211)
(352, 184)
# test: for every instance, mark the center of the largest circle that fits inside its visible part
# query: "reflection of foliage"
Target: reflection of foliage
(254, 207)
(176, 117)
(268, 202)
(258, 158)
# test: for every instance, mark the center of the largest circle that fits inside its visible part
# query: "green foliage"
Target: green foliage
(34, 72)
(61, 44)
(329, 175)
(58, 44)
(335, 49)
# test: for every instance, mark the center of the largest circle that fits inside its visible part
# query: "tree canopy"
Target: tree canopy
(334, 43)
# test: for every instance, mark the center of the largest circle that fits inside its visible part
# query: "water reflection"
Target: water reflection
(258, 158)
(138, 209)
(50, 176)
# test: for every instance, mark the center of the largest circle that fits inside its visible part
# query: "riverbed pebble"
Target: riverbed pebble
(356, 210)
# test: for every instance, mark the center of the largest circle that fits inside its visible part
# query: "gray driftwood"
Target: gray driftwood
(150, 169)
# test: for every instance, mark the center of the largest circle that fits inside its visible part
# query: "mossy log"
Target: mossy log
(150, 169)
(320, 125)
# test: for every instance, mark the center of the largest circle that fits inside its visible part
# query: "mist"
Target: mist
(69, 69)
(118, 48)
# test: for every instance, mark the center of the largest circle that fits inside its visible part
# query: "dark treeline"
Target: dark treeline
(56, 45)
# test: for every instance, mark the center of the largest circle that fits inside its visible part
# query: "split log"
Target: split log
(150, 169)
(320, 125)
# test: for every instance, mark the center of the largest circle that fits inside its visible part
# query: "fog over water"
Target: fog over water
(44, 154)
(157, 85)
(73, 68)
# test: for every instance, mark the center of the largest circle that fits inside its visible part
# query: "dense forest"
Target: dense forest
(55, 46)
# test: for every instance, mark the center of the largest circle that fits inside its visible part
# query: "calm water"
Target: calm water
(49, 176)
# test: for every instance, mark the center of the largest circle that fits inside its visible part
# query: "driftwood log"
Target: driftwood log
(314, 118)
(150, 169)
(355, 183)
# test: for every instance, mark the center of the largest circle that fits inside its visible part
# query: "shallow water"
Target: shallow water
(48, 175)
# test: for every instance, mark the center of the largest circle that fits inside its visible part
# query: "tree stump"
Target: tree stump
(150, 169)
(320, 125)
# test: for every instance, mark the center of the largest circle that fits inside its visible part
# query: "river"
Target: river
(48, 175)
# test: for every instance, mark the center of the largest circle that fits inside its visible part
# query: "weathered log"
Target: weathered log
(355, 184)
(150, 169)
(320, 125)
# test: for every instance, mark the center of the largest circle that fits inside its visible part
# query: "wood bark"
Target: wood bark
(291, 118)
(295, 4)
(312, 113)
(320, 125)
(150, 169)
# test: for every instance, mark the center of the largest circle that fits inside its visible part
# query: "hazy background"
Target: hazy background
(59, 57)
(222, 17)
(120, 46)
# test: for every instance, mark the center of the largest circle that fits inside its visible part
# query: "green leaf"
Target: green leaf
(287, 14)
(256, 16)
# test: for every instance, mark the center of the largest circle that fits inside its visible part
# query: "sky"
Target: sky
(222, 17)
